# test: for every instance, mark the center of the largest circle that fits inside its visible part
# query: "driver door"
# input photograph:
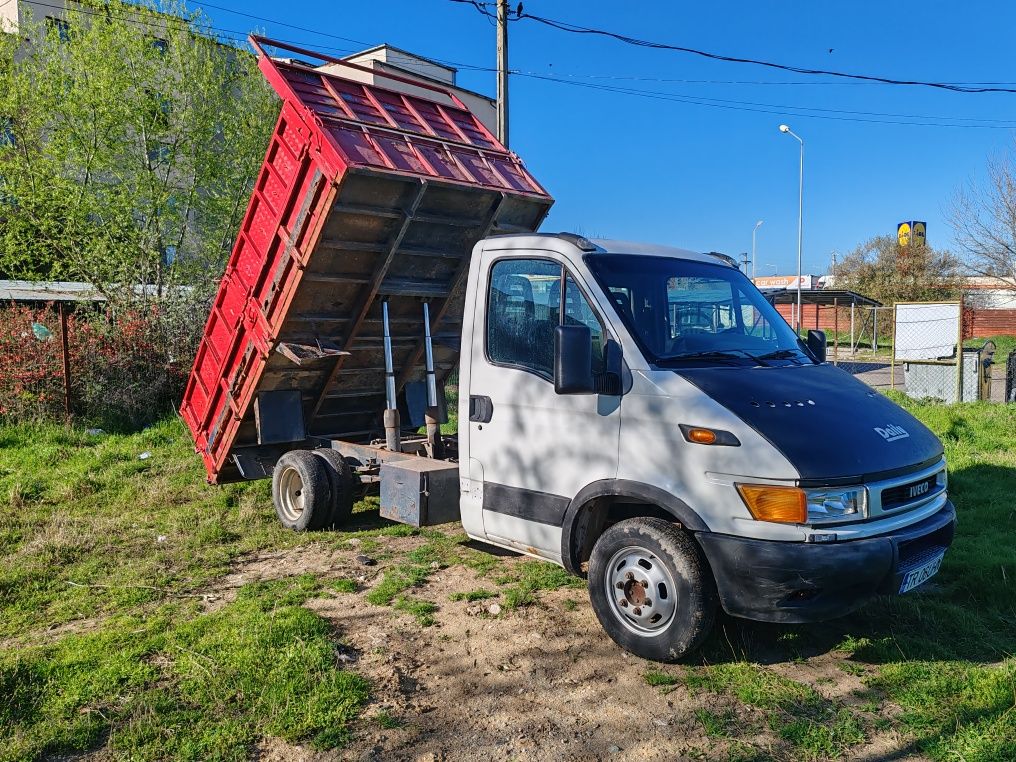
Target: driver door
(531, 450)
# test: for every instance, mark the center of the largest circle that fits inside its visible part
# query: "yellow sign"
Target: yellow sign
(913, 232)
(903, 234)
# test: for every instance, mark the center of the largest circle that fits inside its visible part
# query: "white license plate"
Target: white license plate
(922, 573)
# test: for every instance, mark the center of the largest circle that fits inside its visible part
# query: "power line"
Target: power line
(283, 23)
(784, 107)
(767, 108)
(752, 82)
(571, 28)
(748, 106)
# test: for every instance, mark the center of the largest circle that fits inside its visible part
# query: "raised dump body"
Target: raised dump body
(366, 195)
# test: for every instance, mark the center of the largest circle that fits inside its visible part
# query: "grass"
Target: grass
(104, 638)
(107, 642)
(423, 611)
(1004, 344)
(525, 580)
(658, 679)
(473, 595)
(177, 683)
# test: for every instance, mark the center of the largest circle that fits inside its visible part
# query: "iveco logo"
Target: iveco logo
(892, 432)
(919, 489)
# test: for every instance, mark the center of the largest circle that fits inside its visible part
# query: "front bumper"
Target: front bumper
(773, 581)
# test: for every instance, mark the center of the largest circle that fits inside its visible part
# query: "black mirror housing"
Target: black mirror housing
(573, 360)
(817, 344)
(611, 381)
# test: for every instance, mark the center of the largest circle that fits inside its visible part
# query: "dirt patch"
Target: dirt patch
(542, 682)
(325, 560)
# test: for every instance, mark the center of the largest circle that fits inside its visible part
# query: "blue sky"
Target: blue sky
(699, 177)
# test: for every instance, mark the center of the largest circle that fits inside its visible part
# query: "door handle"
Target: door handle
(481, 409)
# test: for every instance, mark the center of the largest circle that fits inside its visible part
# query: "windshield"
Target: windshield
(681, 311)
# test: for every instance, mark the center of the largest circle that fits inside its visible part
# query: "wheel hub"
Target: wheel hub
(641, 591)
(291, 494)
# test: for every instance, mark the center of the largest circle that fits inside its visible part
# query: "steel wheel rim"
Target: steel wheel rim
(291, 494)
(640, 591)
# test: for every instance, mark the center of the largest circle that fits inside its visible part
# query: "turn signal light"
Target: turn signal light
(701, 436)
(787, 505)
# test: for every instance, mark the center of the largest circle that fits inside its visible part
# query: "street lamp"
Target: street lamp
(757, 226)
(800, 220)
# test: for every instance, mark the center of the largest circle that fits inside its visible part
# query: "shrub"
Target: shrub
(128, 367)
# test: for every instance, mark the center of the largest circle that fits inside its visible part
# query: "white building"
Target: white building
(985, 293)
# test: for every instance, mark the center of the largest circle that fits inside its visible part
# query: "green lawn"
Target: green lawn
(107, 638)
(103, 635)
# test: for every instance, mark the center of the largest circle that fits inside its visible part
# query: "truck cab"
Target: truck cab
(643, 416)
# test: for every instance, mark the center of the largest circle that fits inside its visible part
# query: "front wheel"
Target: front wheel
(651, 589)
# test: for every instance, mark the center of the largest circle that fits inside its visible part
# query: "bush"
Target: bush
(128, 367)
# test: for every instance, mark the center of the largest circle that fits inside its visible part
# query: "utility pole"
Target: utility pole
(745, 261)
(502, 71)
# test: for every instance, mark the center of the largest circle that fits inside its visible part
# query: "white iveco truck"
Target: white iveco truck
(638, 414)
(643, 415)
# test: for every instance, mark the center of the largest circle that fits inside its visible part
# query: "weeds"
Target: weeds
(473, 595)
(658, 679)
(529, 577)
(423, 611)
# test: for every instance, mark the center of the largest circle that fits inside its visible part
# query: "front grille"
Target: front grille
(894, 497)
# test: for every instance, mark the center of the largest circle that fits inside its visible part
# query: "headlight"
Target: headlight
(792, 505)
(836, 504)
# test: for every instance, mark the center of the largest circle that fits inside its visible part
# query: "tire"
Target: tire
(342, 485)
(301, 491)
(668, 570)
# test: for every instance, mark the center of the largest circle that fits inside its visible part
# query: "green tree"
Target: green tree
(882, 269)
(129, 141)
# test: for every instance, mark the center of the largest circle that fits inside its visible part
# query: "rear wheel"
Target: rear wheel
(651, 589)
(301, 491)
(342, 483)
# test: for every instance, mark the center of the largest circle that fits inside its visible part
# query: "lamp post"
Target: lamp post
(800, 220)
(757, 226)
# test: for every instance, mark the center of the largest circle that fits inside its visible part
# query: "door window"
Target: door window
(524, 307)
(522, 310)
(578, 311)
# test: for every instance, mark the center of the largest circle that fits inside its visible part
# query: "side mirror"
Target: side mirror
(817, 344)
(611, 383)
(573, 360)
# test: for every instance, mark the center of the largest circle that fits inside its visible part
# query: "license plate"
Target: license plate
(921, 574)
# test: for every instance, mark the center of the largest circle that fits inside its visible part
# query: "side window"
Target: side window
(755, 323)
(523, 306)
(577, 311)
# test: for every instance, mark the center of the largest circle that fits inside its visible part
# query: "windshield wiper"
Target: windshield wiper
(781, 354)
(710, 354)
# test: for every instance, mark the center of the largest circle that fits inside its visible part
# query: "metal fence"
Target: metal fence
(928, 343)
(35, 381)
(63, 361)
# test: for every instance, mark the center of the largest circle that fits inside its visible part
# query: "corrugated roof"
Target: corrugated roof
(48, 291)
